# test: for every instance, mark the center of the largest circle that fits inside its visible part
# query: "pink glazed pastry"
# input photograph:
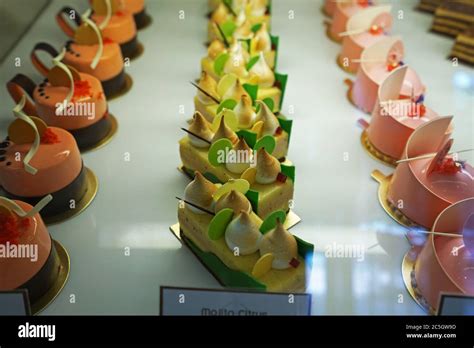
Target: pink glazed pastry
(22, 230)
(37, 160)
(363, 29)
(378, 61)
(342, 12)
(422, 188)
(395, 117)
(445, 264)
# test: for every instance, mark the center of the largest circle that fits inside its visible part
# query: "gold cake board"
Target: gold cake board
(341, 65)
(39, 305)
(395, 214)
(108, 138)
(374, 153)
(408, 266)
(328, 33)
(350, 86)
(92, 188)
(125, 88)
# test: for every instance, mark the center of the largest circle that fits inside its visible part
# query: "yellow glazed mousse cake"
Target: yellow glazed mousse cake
(241, 250)
(245, 51)
(237, 21)
(259, 83)
(251, 124)
(222, 156)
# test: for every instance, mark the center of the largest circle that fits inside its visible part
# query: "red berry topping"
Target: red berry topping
(278, 131)
(49, 137)
(375, 30)
(392, 66)
(11, 227)
(363, 3)
(294, 263)
(107, 41)
(447, 166)
(281, 178)
(82, 89)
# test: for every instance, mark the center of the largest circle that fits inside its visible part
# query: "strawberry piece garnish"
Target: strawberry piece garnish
(375, 30)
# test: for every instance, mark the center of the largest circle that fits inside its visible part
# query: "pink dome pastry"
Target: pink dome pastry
(342, 12)
(395, 117)
(446, 264)
(377, 62)
(363, 29)
(421, 188)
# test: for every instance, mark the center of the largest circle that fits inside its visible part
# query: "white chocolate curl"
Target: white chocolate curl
(18, 112)
(85, 18)
(57, 62)
(12, 206)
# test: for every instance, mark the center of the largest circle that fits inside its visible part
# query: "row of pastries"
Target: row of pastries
(43, 177)
(235, 213)
(431, 188)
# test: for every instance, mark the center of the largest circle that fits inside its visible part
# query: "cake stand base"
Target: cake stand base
(92, 188)
(374, 153)
(39, 305)
(125, 88)
(108, 138)
(384, 182)
(408, 267)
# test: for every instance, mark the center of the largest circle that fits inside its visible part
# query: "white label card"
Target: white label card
(207, 302)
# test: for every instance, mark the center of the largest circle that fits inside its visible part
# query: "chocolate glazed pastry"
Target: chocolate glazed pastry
(61, 202)
(42, 281)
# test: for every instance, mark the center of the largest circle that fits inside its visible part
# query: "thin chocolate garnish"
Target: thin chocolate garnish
(196, 206)
(205, 92)
(224, 38)
(195, 135)
(231, 10)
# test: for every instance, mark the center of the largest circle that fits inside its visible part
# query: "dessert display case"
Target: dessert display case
(351, 254)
